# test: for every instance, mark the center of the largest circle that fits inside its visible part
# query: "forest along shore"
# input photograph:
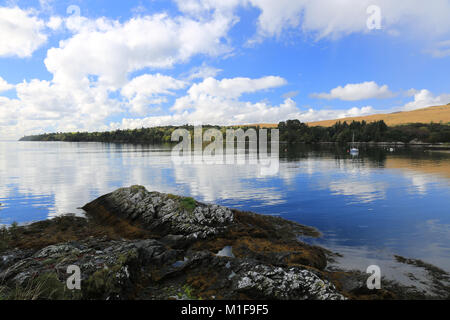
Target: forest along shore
(136, 244)
(290, 131)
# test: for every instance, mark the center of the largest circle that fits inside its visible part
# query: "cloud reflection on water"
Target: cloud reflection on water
(332, 191)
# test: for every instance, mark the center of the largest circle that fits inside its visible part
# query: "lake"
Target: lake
(368, 207)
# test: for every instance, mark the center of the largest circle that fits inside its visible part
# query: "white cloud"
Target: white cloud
(5, 86)
(217, 102)
(21, 32)
(221, 112)
(149, 84)
(55, 23)
(320, 18)
(235, 87)
(336, 18)
(313, 115)
(290, 94)
(216, 110)
(333, 19)
(356, 112)
(111, 50)
(424, 98)
(277, 16)
(45, 4)
(441, 49)
(46, 106)
(204, 8)
(147, 89)
(357, 91)
(202, 72)
(8, 113)
(219, 92)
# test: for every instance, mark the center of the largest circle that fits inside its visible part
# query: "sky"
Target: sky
(101, 65)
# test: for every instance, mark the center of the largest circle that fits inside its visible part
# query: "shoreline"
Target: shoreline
(398, 144)
(163, 246)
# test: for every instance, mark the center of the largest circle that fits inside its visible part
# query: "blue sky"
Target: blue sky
(125, 64)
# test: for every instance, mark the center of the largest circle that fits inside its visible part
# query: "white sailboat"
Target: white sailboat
(354, 150)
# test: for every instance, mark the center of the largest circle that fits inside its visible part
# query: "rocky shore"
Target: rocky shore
(136, 244)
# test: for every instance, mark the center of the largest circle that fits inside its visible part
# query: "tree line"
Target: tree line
(291, 131)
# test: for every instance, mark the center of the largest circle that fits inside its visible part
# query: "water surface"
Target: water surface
(367, 207)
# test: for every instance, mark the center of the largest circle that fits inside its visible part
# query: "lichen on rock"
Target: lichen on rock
(287, 284)
(164, 213)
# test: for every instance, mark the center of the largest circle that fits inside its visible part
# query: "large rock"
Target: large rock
(163, 213)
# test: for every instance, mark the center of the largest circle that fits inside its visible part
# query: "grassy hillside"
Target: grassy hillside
(435, 114)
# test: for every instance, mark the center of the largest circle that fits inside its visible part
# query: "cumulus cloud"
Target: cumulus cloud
(322, 18)
(335, 18)
(202, 72)
(238, 112)
(290, 94)
(148, 89)
(46, 106)
(313, 115)
(8, 113)
(205, 8)
(440, 49)
(217, 110)
(21, 32)
(55, 23)
(235, 87)
(425, 98)
(357, 91)
(111, 50)
(217, 102)
(5, 86)
(212, 90)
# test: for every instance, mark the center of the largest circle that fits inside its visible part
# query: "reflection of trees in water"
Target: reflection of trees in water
(421, 154)
(296, 152)
(372, 156)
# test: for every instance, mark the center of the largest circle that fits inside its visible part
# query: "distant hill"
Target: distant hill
(435, 114)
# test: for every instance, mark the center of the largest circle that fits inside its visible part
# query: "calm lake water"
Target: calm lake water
(367, 207)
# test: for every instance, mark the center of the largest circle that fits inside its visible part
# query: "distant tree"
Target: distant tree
(291, 131)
